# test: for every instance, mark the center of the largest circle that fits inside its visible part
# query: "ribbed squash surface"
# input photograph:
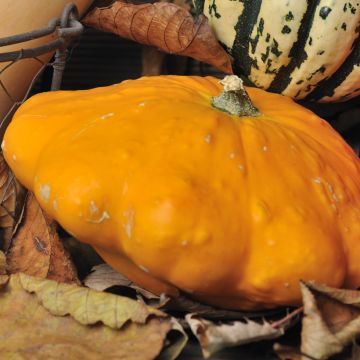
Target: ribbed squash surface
(178, 195)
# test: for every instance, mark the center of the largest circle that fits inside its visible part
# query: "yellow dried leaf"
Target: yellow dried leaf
(28, 323)
(88, 306)
(36, 248)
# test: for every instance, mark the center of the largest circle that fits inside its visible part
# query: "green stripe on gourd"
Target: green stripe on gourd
(294, 47)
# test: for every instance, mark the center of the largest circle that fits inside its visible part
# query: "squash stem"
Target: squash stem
(234, 99)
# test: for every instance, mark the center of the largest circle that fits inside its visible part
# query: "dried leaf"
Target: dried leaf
(3, 276)
(2, 263)
(355, 352)
(36, 248)
(32, 331)
(153, 60)
(331, 322)
(286, 352)
(83, 255)
(183, 303)
(12, 196)
(214, 337)
(103, 277)
(166, 26)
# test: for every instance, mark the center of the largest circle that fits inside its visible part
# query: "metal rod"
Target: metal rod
(66, 29)
(32, 52)
(69, 29)
(35, 34)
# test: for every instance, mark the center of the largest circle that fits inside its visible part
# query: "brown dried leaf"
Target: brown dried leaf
(166, 26)
(286, 352)
(214, 337)
(12, 196)
(331, 322)
(28, 306)
(2, 263)
(36, 248)
(103, 277)
(355, 355)
(3, 276)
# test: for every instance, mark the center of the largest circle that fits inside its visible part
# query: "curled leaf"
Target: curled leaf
(165, 26)
(214, 337)
(331, 322)
(36, 248)
(28, 306)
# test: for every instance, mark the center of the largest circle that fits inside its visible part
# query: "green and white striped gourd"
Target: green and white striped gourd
(306, 49)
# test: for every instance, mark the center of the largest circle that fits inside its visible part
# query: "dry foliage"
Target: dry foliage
(286, 352)
(34, 326)
(3, 276)
(103, 277)
(331, 321)
(12, 196)
(214, 336)
(36, 248)
(165, 26)
(154, 61)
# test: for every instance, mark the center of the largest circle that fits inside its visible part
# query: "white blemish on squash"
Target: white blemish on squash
(317, 180)
(104, 216)
(207, 138)
(105, 116)
(129, 224)
(184, 243)
(14, 157)
(144, 268)
(3, 145)
(45, 191)
(93, 207)
(55, 204)
(332, 192)
(232, 156)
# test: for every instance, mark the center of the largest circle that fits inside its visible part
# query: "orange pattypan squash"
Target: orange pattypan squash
(175, 192)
